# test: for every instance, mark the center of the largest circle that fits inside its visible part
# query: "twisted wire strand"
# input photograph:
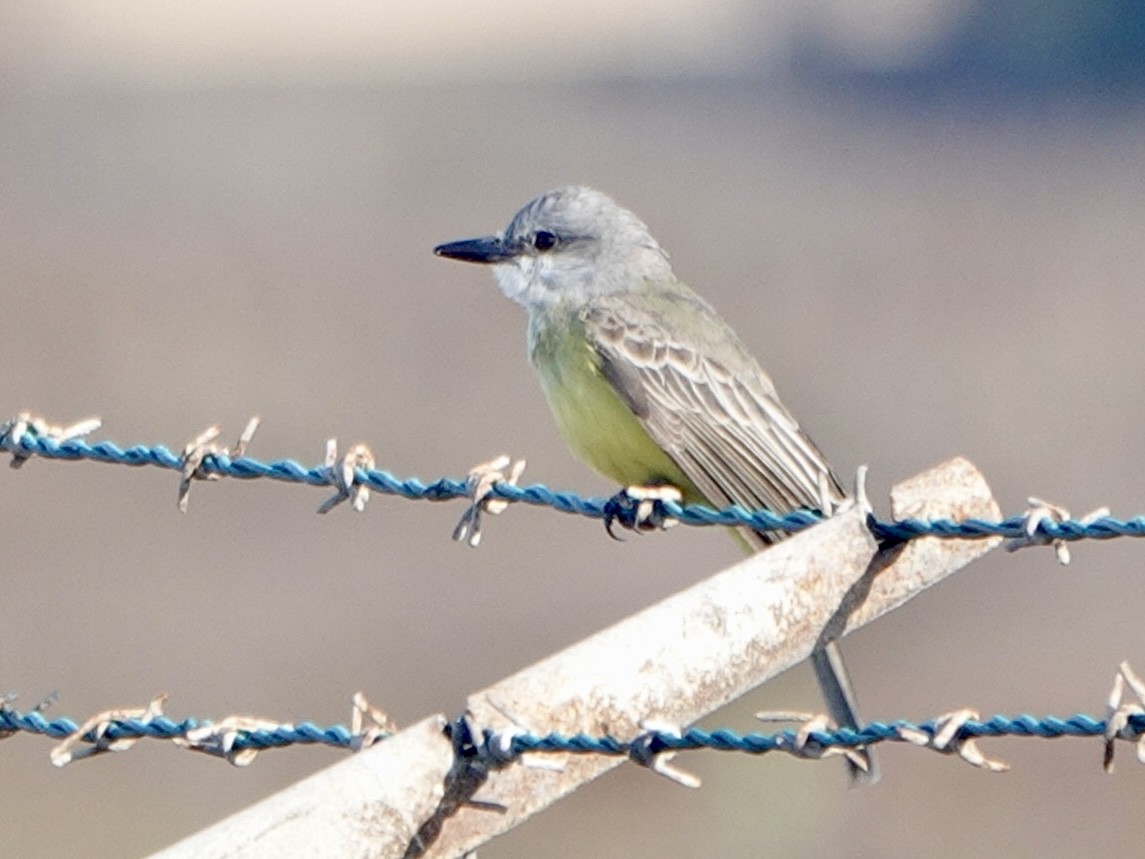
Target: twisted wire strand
(446, 489)
(692, 739)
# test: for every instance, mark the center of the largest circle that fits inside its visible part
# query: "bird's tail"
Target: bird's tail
(830, 671)
(840, 698)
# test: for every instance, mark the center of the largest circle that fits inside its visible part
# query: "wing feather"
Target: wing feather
(702, 397)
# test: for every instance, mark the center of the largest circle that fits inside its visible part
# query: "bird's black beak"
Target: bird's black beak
(487, 249)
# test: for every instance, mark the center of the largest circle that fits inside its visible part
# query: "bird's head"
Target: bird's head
(570, 244)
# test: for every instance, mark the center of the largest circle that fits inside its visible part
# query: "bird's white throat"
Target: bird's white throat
(539, 281)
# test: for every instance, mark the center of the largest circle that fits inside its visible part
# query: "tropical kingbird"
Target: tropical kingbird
(648, 384)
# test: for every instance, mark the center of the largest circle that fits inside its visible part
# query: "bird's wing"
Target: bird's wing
(701, 396)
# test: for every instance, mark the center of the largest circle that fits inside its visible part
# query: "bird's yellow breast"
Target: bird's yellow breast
(594, 420)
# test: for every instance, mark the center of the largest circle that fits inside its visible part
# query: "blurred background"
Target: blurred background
(925, 218)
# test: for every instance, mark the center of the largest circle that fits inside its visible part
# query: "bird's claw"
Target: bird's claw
(641, 508)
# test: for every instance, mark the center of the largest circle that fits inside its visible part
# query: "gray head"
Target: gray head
(569, 244)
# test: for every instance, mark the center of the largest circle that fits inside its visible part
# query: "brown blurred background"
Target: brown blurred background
(925, 218)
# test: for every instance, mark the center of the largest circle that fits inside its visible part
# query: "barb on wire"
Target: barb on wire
(1041, 512)
(343, 473)
(368, 724)
(1122, 719)
(482, 480)
(95, 736)
(804, 744)
(203, 446)
(25, 436)
(948, 738)
(647, 751)
(26, 426)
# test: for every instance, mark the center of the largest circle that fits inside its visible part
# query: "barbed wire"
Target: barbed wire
(24, 437)
(490, 487)
(240, 738)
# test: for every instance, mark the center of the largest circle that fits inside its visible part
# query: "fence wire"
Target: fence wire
(353, 475)
(240, 738)
(1043, 523)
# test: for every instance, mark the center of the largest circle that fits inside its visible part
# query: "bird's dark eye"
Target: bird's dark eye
(544, 240)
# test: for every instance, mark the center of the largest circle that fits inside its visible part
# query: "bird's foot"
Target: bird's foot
(641, 508)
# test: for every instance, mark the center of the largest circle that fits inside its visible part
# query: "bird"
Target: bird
(649, 385)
